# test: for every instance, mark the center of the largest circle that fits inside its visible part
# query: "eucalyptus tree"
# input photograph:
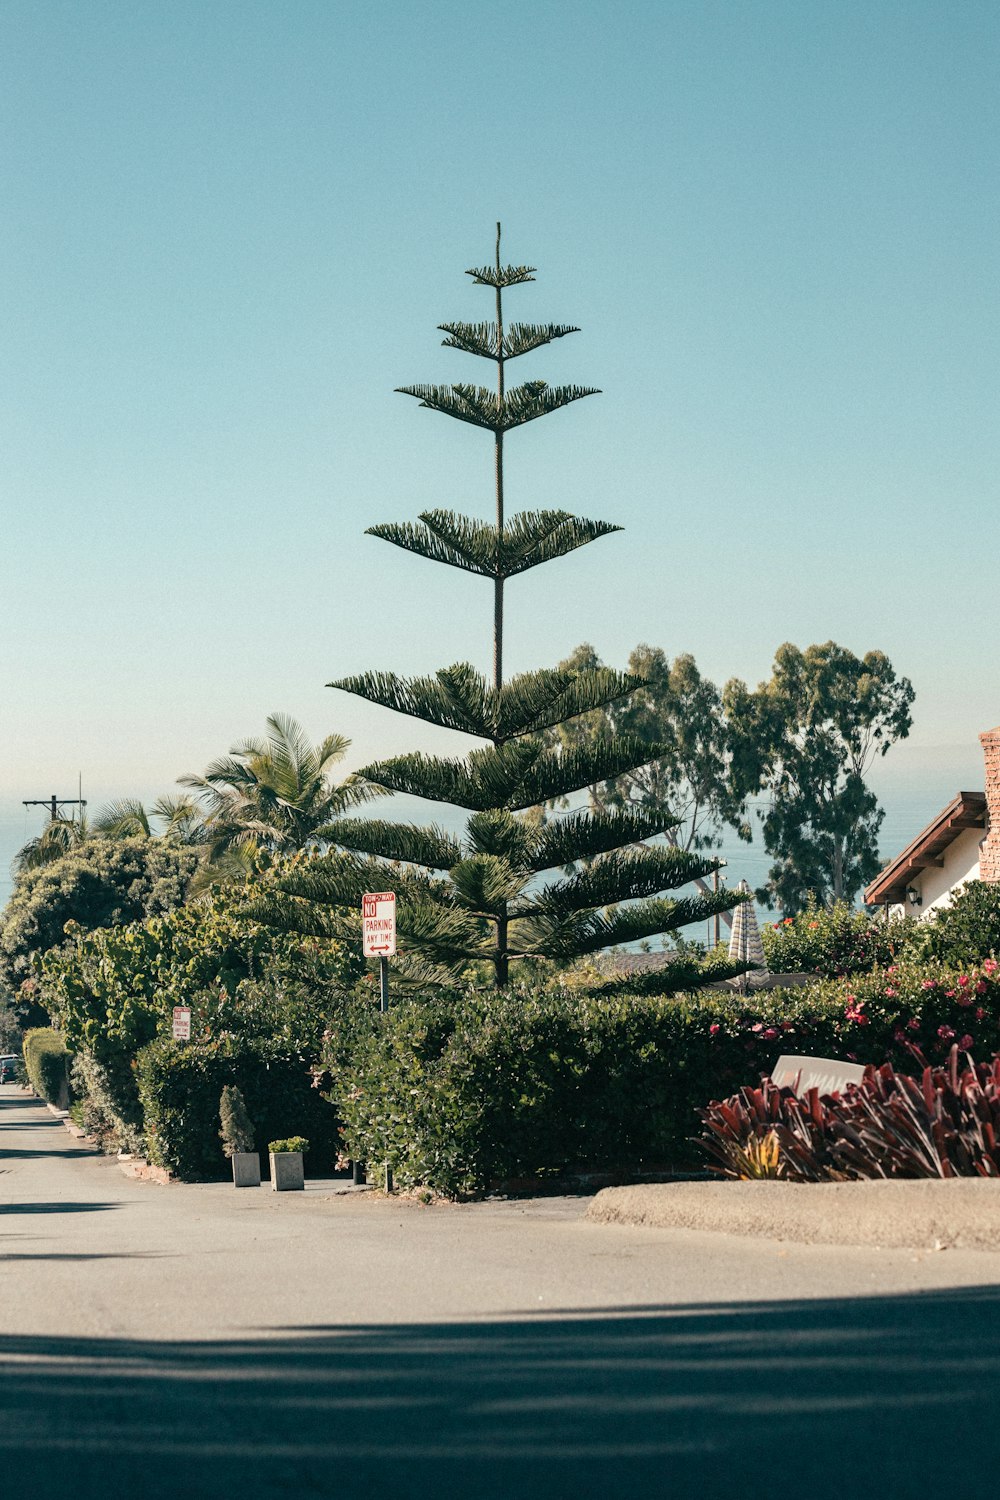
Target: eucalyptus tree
(807, 738)
(512, 888)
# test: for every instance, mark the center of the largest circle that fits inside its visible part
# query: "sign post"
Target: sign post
(378, 927)
(182, 1023)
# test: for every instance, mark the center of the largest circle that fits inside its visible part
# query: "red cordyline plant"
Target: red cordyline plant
(944, 1124)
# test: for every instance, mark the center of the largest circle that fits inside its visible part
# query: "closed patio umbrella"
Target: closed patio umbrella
(745, 945)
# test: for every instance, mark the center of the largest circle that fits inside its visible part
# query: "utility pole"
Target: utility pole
(54, 803)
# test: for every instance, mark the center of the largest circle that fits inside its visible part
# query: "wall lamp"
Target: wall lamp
(913, 896)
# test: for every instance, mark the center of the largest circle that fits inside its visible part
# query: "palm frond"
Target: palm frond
(126, 818)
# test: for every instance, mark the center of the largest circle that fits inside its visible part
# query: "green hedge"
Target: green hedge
(833, 941)
(460, 1092)
(47, 1060)
(180, 1086)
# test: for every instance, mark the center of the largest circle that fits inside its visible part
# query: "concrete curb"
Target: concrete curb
(920, 1215)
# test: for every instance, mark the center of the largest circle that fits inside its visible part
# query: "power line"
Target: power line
(54, 803)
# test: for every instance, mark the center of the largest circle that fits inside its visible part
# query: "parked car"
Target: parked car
(8, 1067)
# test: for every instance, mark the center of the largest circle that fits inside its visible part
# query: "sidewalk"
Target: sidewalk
(963, 1213)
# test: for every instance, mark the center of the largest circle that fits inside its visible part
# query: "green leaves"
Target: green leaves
(484, 408)
(458, 697)
(515, 775)
(502, 276)
(621, 875)
(588, 932)
(527, 539)
(582, 835)
(432, 848)
(518, 338)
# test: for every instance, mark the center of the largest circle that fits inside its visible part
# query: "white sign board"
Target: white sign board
(378, 924)
(182, 1023)
(828, 1074)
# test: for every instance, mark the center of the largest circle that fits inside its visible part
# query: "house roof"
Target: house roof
(965, 810)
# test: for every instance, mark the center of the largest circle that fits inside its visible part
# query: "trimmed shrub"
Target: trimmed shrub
(832, 942)
(460, 1091)
(964, 932)
(237, 1132)
(294, 1143)
(180, 1084)
(113, 992)
(47, 1060)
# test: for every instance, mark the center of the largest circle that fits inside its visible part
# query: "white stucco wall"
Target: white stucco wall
(937, 886)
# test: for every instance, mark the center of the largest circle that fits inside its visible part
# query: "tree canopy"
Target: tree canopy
(510, 890)
(806, 738)
(100, 883)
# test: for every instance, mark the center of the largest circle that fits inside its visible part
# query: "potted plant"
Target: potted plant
(287, 1173)
(237, 1138)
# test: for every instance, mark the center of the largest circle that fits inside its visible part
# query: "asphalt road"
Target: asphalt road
(199, 1341)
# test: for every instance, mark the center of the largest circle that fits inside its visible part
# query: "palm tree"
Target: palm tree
(58, 837)
(178, 819)
(275, 794)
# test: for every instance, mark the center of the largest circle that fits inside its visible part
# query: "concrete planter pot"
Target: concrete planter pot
(246, 1169)
(287, 1172)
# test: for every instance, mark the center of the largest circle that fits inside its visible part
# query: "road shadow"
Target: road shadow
(6, 1255)
(28, 1153)
(703, 1402)
(56, 1208)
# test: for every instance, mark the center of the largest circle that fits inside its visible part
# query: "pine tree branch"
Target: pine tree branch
(459, 698)
(516, 775)
(504, 277)
(519, 338)
(483, 408)
(587, 932)
(680, 974)
(583, 835)
(432, 848)
(528, 539)
(620, 875)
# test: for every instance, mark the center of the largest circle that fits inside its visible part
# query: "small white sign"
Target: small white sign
(378, 924)
(182, 1023)
(828, 1074)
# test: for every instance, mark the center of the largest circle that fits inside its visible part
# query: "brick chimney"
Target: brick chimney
(989, 849)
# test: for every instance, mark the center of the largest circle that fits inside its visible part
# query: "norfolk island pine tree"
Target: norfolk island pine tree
(513, 888)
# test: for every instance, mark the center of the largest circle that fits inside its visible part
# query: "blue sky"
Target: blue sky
(230, 231)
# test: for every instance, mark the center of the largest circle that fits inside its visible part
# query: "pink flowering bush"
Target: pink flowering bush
(831, 942)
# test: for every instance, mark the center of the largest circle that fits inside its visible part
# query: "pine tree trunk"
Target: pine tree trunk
(501, 963)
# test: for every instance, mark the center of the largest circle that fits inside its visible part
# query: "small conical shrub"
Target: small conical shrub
(237, 1131)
